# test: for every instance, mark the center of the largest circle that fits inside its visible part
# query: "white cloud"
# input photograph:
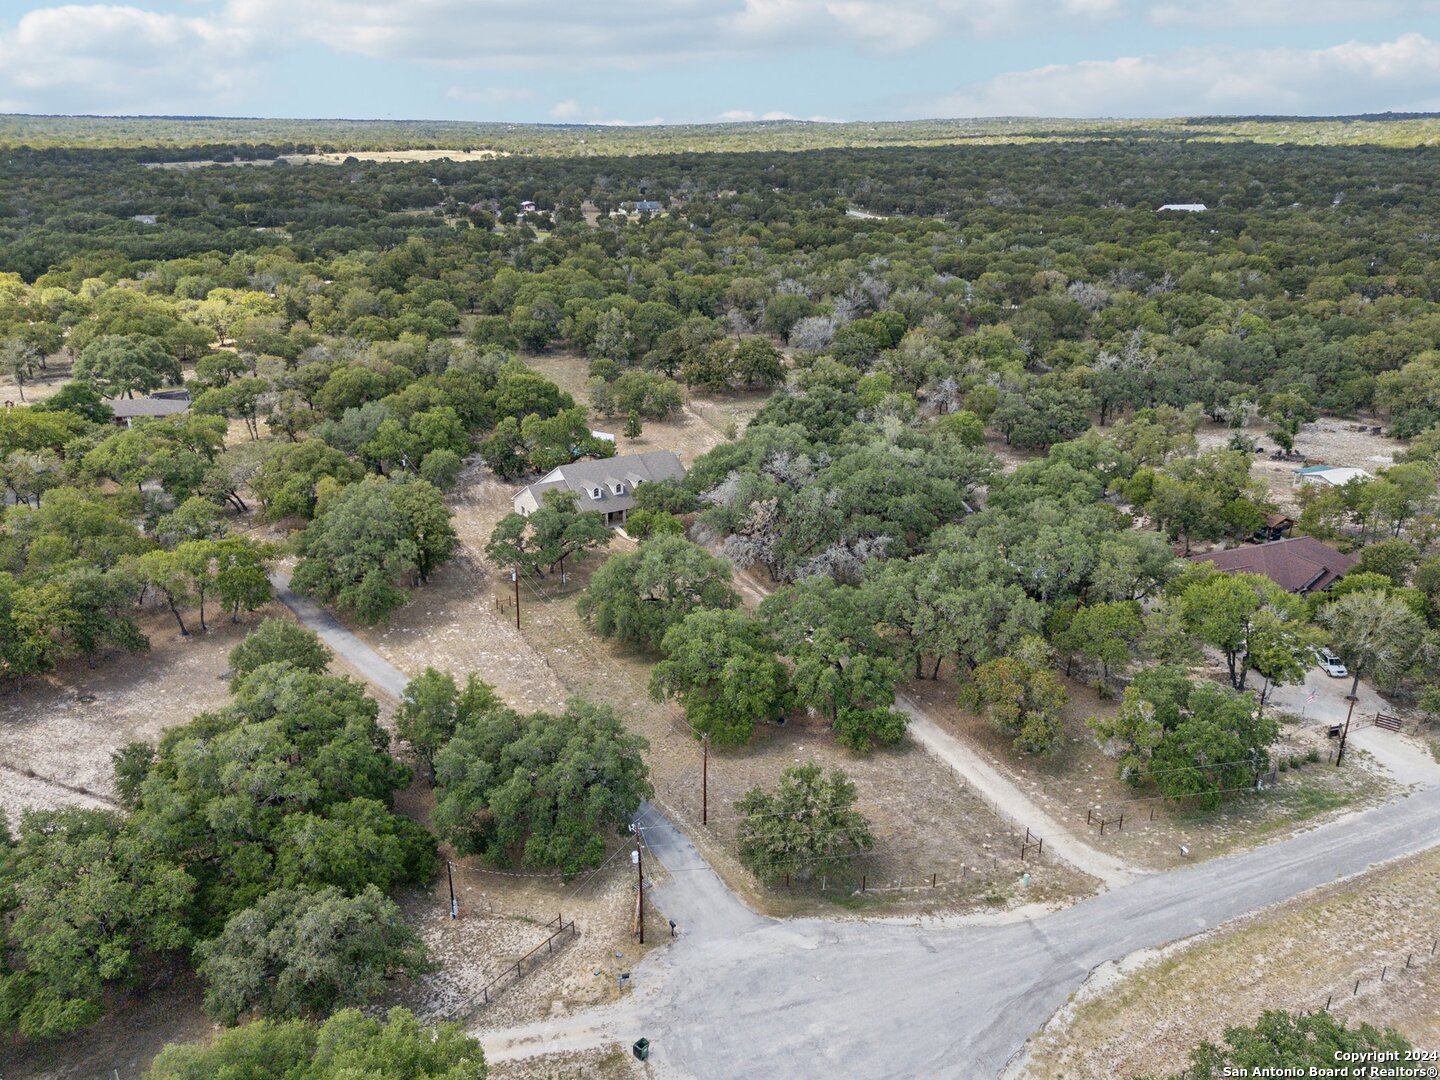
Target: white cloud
(582, 32)
(742, 116)
(1403, 75)
(1221, 13)
(122, 59)
(566, 110)
(490, 95)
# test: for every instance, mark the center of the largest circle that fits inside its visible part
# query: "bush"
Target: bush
(280, 641)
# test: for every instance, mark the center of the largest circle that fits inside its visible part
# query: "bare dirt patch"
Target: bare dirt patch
(1144, 1018)
(702, 425)
(57, 732)
(1330, 440)
(43, 385)
(926, 826)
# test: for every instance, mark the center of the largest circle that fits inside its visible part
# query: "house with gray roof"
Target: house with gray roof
(605, 484)
(165, 403)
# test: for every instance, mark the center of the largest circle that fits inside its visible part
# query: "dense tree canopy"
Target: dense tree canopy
(539, 790)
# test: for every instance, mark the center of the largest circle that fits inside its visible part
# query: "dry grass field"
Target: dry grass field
(1142, 1016)
(57, 732)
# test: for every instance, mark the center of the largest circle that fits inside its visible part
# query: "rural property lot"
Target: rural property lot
(57, 732)
(1079, 779)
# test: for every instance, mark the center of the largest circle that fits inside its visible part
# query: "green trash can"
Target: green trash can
(641, 1049)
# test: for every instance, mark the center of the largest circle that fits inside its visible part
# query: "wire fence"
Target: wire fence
(1398, 967)
(863, 872)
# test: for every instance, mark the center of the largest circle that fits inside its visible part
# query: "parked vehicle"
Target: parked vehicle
(1330, 664)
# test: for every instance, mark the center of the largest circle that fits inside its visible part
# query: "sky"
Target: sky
(700, 61)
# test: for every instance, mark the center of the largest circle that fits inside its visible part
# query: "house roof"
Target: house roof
(158, 405)
(608, 474)
(1337, 475)
(1299, 565)
(1188, 207)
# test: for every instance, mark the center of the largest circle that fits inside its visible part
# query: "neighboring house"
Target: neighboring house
(1300, 565)
(607, 485)
(648, 206)
(1333, 475)
(1183, 207)
(1276, 527)
(165, 403)
(145, 219)
(527, 207)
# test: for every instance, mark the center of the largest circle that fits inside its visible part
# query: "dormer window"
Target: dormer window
(619, 489)
(595, 493)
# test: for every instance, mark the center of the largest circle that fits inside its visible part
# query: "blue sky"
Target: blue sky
(681, 61)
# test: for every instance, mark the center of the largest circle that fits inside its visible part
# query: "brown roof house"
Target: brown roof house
(1300, 565)
(605, 484)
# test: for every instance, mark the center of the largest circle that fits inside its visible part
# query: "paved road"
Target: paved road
(751, 997)
(741, 995)
(377, 670)
(1321, 700)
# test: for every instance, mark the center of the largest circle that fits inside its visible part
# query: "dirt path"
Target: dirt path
(1007, 800)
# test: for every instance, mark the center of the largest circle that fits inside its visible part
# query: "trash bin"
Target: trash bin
(641, 1049)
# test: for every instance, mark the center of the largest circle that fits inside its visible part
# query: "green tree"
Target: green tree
(1104, 633)
(371, 535)
(299, 953)
(347, 1046)
(88, 901)
(1022, 697)
(289, 478)
(1220, 609)
(1289, 412)
(1132, 732)
(757, 364)
(280, 640)
(124, 364)
(1281, 1040)
(1378, 636)
(1220, 745)
(722, 667)
(1394, 558)
(218, 792)
(636, 597)
(169, 574)
(433, 707)
(545, 539)
(807, 827)
(19, 359)
(539, 790)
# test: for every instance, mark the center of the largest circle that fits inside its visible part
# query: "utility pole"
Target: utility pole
(639, 861)
(705, 781)
(515, 577)
(454, 904)
(1344, 734)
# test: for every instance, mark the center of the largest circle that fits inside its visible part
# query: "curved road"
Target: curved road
(741, 995)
